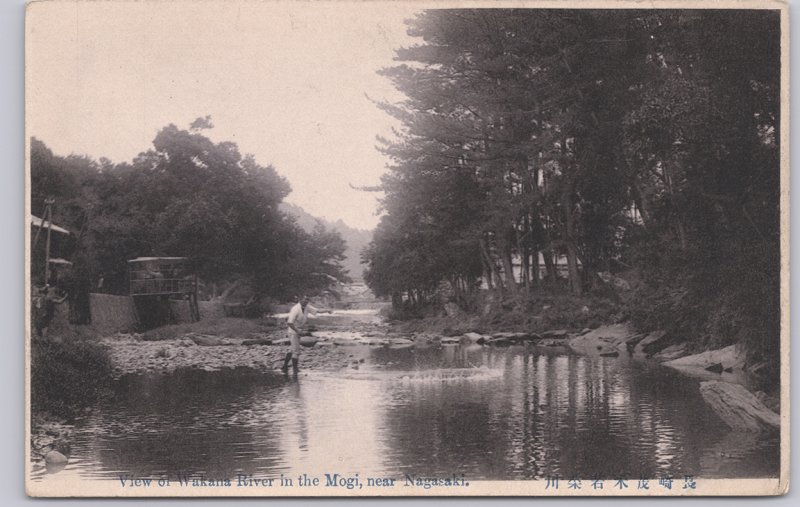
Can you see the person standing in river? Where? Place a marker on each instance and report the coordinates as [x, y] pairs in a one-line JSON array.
[[296, 322]]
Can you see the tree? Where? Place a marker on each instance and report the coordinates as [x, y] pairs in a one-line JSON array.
[[187, 196], [620, 139]]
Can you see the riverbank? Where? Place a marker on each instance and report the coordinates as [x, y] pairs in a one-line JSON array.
[[434, 390], [731, 386], [342, 342]]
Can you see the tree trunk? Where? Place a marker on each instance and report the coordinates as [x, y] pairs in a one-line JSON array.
[[550, 267], [508, 268], [493, 275], [572, 260], [572, 266]]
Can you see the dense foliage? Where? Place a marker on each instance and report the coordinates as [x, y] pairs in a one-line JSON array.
[[190, 197], [613, 140], [68, 376]]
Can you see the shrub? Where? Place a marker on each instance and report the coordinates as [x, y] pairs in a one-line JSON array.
[[68, 376]]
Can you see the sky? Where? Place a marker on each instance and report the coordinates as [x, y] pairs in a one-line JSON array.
[[293, 83]]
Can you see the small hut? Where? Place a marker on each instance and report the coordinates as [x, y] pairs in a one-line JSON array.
[[156, 280]]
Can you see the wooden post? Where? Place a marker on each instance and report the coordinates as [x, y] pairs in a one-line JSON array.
[[48, 217]]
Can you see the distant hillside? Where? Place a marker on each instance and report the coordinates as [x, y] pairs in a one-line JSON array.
[[356, 239]]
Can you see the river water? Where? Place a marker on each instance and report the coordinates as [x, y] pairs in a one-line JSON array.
[[513, 413]]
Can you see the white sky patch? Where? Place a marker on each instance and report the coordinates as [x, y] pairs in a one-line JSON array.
[[289, 82]]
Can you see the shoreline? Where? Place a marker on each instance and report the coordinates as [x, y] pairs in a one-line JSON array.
[[261, 345]]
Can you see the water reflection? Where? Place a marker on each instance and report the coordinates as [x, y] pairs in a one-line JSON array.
[[519, 413]]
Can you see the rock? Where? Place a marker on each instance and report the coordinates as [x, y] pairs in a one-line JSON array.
[[308, 341], [473, 337], [447, 340], [604, 339], [738, 408], [55, 458], [557, 333], [609, 354], [261, 341], [585, 310], [651, 343], [729, 369], [717, 360], [671, 352]]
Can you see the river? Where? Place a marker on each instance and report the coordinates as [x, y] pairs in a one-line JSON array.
[[486, 413]]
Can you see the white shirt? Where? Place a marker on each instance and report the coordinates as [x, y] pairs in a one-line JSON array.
[[298, 317]]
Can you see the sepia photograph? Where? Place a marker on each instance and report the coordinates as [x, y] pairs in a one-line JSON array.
[[406, 248]]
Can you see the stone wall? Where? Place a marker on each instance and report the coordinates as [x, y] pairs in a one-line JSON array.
[[111, 314], [115, 314]]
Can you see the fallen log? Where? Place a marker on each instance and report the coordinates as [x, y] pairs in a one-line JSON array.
[[738, 407]]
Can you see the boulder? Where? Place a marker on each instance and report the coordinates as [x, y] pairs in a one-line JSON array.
[[308, 341], [716, 361], [671, 352], [609, 354], [499, 342], [55, 458], [651, 343], [739, 408], [605, 339]]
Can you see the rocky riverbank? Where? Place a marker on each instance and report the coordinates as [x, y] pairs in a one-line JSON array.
[[725, 373]]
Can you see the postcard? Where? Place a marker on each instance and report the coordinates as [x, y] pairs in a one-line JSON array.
[[406, 248]]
